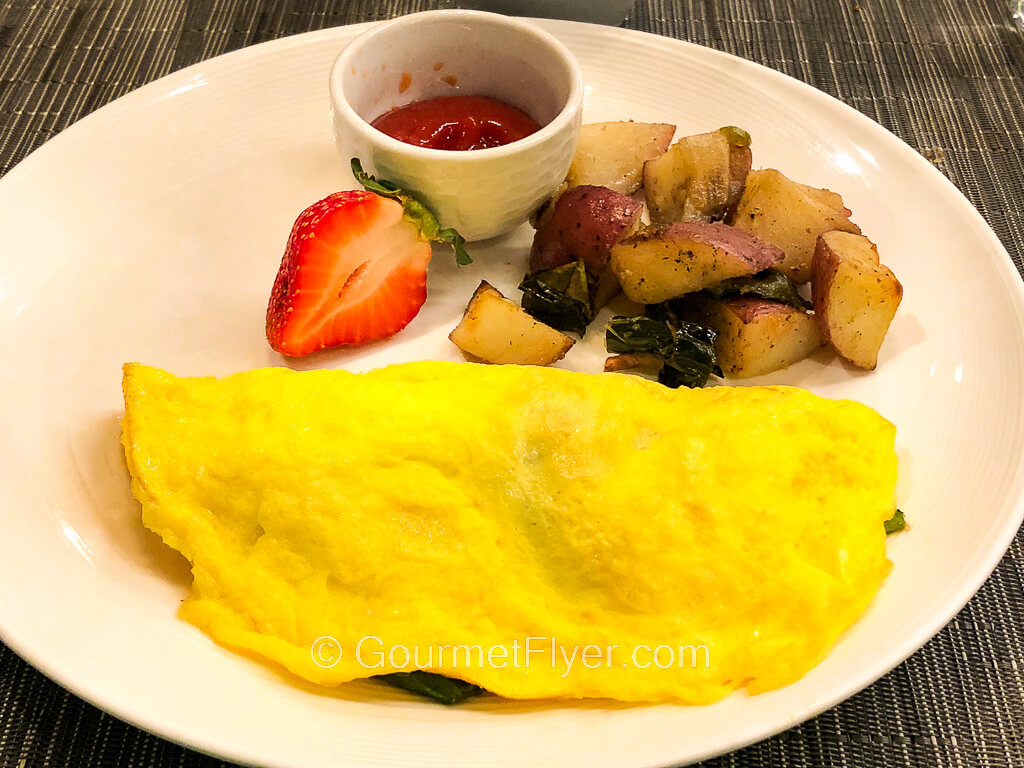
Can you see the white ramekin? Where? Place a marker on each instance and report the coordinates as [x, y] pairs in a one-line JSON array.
[[483, 192]]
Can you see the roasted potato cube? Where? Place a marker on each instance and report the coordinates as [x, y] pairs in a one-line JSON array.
[[607, 288], [496, 330], [699, 178], [855, 296], [758, 336], [740, 160], [583, 224], [790, 215], [613, 154], [665, 262]]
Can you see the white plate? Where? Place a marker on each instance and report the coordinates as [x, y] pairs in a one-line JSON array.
[[152, 231]]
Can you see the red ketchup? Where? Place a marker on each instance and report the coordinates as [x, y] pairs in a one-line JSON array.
[[457, 123]]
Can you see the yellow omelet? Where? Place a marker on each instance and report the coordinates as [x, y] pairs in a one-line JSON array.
[[539, 532]]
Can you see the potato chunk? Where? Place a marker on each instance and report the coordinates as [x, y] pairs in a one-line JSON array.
[[740, 160], [613, 154], [699, 178], [790, 215], [855, 296], [584, 223], [758, 336], [496, 330], [542, 215], [663, 263]]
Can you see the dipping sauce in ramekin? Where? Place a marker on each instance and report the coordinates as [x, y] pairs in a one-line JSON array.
[[457, 123]]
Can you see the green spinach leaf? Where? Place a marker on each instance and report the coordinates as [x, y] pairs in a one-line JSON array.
[[895, 523], [560, 297], [447, 690], [768, 284]]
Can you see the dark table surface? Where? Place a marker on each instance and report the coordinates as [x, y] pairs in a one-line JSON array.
[[946, 76]]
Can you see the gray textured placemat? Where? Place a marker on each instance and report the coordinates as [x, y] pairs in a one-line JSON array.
[[944, 75]]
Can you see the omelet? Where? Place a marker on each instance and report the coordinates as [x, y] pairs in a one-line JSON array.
[[538, 532]]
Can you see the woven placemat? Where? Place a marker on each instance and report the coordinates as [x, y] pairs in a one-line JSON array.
[[947, 76]]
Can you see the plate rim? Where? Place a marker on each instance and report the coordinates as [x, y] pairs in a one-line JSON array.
[[90, 690]]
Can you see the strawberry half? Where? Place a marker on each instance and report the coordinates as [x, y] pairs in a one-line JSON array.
[[354, 269]]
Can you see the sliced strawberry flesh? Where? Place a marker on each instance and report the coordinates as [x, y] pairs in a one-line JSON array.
[[354, 271]]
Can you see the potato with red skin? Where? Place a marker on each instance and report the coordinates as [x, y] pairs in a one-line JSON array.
[[584, 223], [855, 296], [664, 263], [757, 336], [542, 215]]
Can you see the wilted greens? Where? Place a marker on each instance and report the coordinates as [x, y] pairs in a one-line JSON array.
[[692, 359], [736, 136], [560, 297], [768, 284], [447, 690], [895, 523], [638, 334], [687, 350]]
